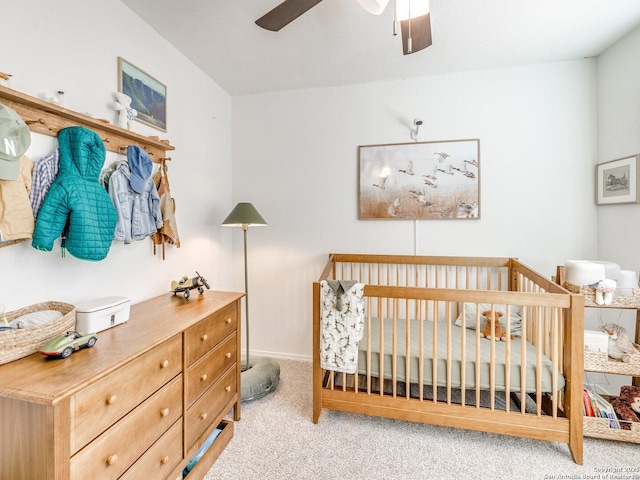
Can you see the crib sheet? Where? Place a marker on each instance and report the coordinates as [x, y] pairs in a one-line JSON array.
[[456, 357]]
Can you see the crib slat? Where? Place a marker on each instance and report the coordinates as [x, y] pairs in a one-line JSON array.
[[369, 309], [434, 363], [407, 354], [523, 362], [394, 350], [463, 356], [539, 360], [554, 363], [477, 383], [507, 361], [423, 308], [448, 315], [492, 359]]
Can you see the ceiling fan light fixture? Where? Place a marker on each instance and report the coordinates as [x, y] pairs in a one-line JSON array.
[[375, 7], [406, 9]]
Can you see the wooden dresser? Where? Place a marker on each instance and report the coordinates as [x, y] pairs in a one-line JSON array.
[[139, 404]]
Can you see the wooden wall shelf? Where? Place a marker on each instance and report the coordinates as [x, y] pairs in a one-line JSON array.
[[49, 118]]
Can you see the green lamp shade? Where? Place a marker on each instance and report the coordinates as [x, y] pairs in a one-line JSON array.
[[244, 214]]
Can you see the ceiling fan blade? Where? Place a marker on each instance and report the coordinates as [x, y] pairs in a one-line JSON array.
[[420, 33], [285, 13]]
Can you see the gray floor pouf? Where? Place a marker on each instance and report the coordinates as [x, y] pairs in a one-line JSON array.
[[261, 379]]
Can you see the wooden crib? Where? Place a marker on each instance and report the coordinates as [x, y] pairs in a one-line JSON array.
[[421, 356]]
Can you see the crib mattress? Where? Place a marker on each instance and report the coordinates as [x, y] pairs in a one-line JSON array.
[[515, 358]]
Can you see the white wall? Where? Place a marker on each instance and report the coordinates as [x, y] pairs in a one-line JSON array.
[[73, 45], [619, 136], [295, 158]]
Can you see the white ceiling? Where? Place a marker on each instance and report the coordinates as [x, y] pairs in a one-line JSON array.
[[339, 43]]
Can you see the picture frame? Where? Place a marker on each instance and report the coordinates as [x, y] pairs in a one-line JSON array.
[[148, 95], [437, 180], [617, 181]]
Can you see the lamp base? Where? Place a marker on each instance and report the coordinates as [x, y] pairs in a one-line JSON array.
[[260, 379]]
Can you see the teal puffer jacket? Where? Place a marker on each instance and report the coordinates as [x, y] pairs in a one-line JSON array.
[[77, 200]]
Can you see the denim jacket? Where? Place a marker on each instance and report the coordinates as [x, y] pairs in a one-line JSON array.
[[139, 214]]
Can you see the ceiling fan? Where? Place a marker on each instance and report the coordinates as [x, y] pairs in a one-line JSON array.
[[412, 15]]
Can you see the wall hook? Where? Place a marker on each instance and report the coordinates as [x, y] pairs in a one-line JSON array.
[[31, 122]]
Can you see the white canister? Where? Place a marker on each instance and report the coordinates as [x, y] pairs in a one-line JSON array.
[[628, 281], [583, 272]]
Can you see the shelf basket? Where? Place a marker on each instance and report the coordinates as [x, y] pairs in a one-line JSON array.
[[599, 428], [15, 344], [601, 362], [618, 301]]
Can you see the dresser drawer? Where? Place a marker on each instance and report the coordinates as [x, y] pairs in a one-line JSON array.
[[203, 336], [113, 452], [210, 406], [160, 459], [204, 373], [100, 405]]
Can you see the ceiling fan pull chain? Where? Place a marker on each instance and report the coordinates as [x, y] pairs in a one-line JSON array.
[[409, 40], [395, 17]]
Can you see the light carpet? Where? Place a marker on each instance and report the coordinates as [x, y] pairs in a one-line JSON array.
[[276, 439]]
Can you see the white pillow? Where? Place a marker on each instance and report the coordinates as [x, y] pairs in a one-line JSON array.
[[36, 318], [515, 318]]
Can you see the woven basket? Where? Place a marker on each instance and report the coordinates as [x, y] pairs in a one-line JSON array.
[[15, 344], [601, 362], [599, 428], [618, 301]]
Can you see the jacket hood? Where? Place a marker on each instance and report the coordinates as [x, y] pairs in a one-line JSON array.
[[82, 152], [140, 166]]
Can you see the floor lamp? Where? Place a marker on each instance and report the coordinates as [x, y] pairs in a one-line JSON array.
[[262, 377]]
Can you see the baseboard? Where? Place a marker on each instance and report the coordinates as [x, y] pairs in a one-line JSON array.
[[284, 356]]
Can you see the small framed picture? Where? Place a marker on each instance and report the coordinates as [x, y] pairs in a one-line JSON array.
[[617, 181], [148, 95]]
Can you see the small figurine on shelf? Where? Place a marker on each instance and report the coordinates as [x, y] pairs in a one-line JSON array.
[[126, 114], [604, 291]]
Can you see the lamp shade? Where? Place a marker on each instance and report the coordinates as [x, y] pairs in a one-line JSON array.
[[244, 214]]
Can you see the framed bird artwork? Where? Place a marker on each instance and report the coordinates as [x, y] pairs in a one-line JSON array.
[[420, 180]]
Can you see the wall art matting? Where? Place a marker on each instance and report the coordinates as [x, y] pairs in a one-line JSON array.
[[420, 181], [148, 95], [617, 181]]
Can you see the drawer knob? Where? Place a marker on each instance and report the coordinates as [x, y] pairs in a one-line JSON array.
[[112, 459], [228, 355], [164, 460], [204, 377], [227, 388], [164, 412], [203, 416], [112, 399], [204, 337], [228, 320], [164, 364]]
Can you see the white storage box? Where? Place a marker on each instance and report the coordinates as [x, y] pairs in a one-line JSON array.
[[102, 313], [596, 341]]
